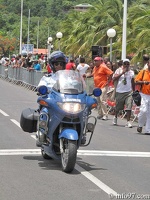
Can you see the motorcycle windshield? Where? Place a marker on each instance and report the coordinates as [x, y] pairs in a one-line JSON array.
[[68, 82]]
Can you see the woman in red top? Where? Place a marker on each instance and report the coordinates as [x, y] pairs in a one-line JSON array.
[[71, 65], [48, 68]]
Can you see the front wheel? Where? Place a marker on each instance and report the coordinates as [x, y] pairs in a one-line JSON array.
[[69, 154]]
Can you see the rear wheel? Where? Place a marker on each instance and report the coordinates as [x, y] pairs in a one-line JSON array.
[[69, 154]]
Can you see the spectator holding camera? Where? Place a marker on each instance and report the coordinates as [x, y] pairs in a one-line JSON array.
[[125, 86]]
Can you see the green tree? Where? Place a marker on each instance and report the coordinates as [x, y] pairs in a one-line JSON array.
[[139, 32], [90, 28], [82, 30]]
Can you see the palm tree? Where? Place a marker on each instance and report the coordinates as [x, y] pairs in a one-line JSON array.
[[82, 30], [138, 38], [90, 28]]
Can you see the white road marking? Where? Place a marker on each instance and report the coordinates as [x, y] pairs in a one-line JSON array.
[[33, 136], [80, 153], [13, 152], [113, 153], [3, 113], [15, 122], [86, 174], [96, 181]]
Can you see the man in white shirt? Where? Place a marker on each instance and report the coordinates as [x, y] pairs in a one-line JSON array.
[[82, 67], [125, 86]]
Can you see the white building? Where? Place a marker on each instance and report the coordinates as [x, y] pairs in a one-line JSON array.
[[82, 7]]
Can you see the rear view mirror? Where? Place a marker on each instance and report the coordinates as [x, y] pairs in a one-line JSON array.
[[42, 90], [97, 92]]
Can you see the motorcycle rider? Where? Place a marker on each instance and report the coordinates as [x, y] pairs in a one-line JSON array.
[[57, 62]]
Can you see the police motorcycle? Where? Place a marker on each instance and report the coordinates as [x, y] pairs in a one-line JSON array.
[[63, 122]]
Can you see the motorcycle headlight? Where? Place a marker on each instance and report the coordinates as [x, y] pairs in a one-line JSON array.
[[71, 107]]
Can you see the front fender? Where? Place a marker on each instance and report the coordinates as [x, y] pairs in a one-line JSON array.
[[68, 133]]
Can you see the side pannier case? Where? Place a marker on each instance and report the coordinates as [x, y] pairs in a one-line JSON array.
[[29, 119]]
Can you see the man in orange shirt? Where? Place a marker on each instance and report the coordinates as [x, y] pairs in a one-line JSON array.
[[143, 79], [102, 76]]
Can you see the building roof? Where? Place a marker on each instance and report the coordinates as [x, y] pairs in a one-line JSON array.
[[82, 7]]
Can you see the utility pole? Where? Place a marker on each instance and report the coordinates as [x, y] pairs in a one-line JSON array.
[[28, 39], [124, 31], [20, 50]]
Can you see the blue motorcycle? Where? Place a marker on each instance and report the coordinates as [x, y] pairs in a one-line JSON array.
[[64, 121]]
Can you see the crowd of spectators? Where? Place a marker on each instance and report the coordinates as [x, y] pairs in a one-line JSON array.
[[31, 62], [103, 73]]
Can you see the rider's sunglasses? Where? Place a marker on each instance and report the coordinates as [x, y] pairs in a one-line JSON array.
[[126, 63], [59, 63]]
